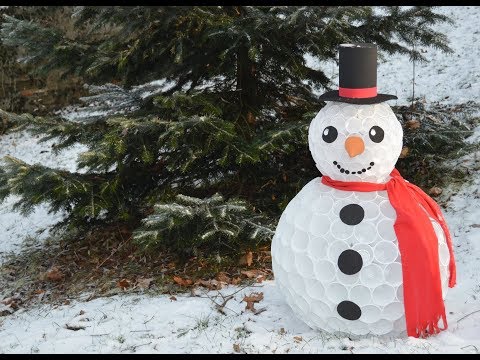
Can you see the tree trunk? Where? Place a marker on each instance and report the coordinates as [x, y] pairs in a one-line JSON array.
[[246, 83]]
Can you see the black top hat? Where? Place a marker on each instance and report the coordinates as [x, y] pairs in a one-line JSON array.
[[357, 76]]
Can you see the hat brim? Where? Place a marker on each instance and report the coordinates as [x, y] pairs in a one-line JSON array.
[[333, 96]]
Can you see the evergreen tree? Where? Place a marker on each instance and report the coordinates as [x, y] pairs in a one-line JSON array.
[[201, 139]]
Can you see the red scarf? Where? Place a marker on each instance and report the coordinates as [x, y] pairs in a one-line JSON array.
[[418, 245]]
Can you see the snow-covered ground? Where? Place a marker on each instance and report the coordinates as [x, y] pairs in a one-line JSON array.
[[142, 323], [447, 78]]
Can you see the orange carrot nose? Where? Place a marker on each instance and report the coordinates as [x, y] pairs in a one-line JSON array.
[[354, 145]]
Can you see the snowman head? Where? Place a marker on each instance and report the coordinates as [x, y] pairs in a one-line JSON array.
[[353, 142]]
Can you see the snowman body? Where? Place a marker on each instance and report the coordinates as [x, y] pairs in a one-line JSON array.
[[335, 254]]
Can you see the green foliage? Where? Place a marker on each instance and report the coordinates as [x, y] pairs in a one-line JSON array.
[[85, 197], [184, 43], [230, 117], [187, 224]]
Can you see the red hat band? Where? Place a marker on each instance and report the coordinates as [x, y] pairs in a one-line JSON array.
[[358, 93]]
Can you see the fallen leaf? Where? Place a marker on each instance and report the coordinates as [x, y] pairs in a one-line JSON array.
[[251, 299], [297, 339], [252, 273], [173, 298], [223, 277], [236, 280], [404, 152], [54, 274], [282, 331], [7, 301], [143, 283], [265, 256], [246, 259], [209, 284], [254, 297], [236, 348], [412, 124], [182, 282], [40, 294], [260, 278], [435, 191], [123, 284]]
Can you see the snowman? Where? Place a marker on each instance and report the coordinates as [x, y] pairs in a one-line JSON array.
[[360, 250]]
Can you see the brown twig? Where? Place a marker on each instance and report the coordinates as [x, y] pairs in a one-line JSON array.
[[476, 311], [113, 252]]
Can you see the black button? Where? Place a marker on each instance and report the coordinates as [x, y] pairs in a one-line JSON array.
[[349, 310], [352, 214], [350, 262]]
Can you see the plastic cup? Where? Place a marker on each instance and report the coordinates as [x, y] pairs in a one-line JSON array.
[[386, 252]]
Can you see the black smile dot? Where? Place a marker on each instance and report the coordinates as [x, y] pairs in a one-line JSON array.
[[372, 163], [350, 262], [342, 170], [338, 166], [334, 163], [347, 172], [363, 170], [349, 310], [369, 168], [352, 214]]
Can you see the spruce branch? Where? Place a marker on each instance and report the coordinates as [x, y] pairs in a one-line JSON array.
[[188, 224]]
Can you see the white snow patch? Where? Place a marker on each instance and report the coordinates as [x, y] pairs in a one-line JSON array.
[[447, 78], [110, 99]]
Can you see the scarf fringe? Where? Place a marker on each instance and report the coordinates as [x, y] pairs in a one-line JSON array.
[[453, 273], [428, 328]]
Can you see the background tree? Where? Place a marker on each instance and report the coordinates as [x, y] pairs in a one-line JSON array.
[[199, 138]]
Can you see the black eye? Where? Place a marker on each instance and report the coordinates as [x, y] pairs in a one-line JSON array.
[[329, 134], [376, 134]]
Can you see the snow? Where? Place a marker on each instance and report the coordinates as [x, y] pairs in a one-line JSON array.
[[15, 227], [144, 323], [447, 78]]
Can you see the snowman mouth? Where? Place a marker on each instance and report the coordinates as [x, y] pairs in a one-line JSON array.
[[346, 171]]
